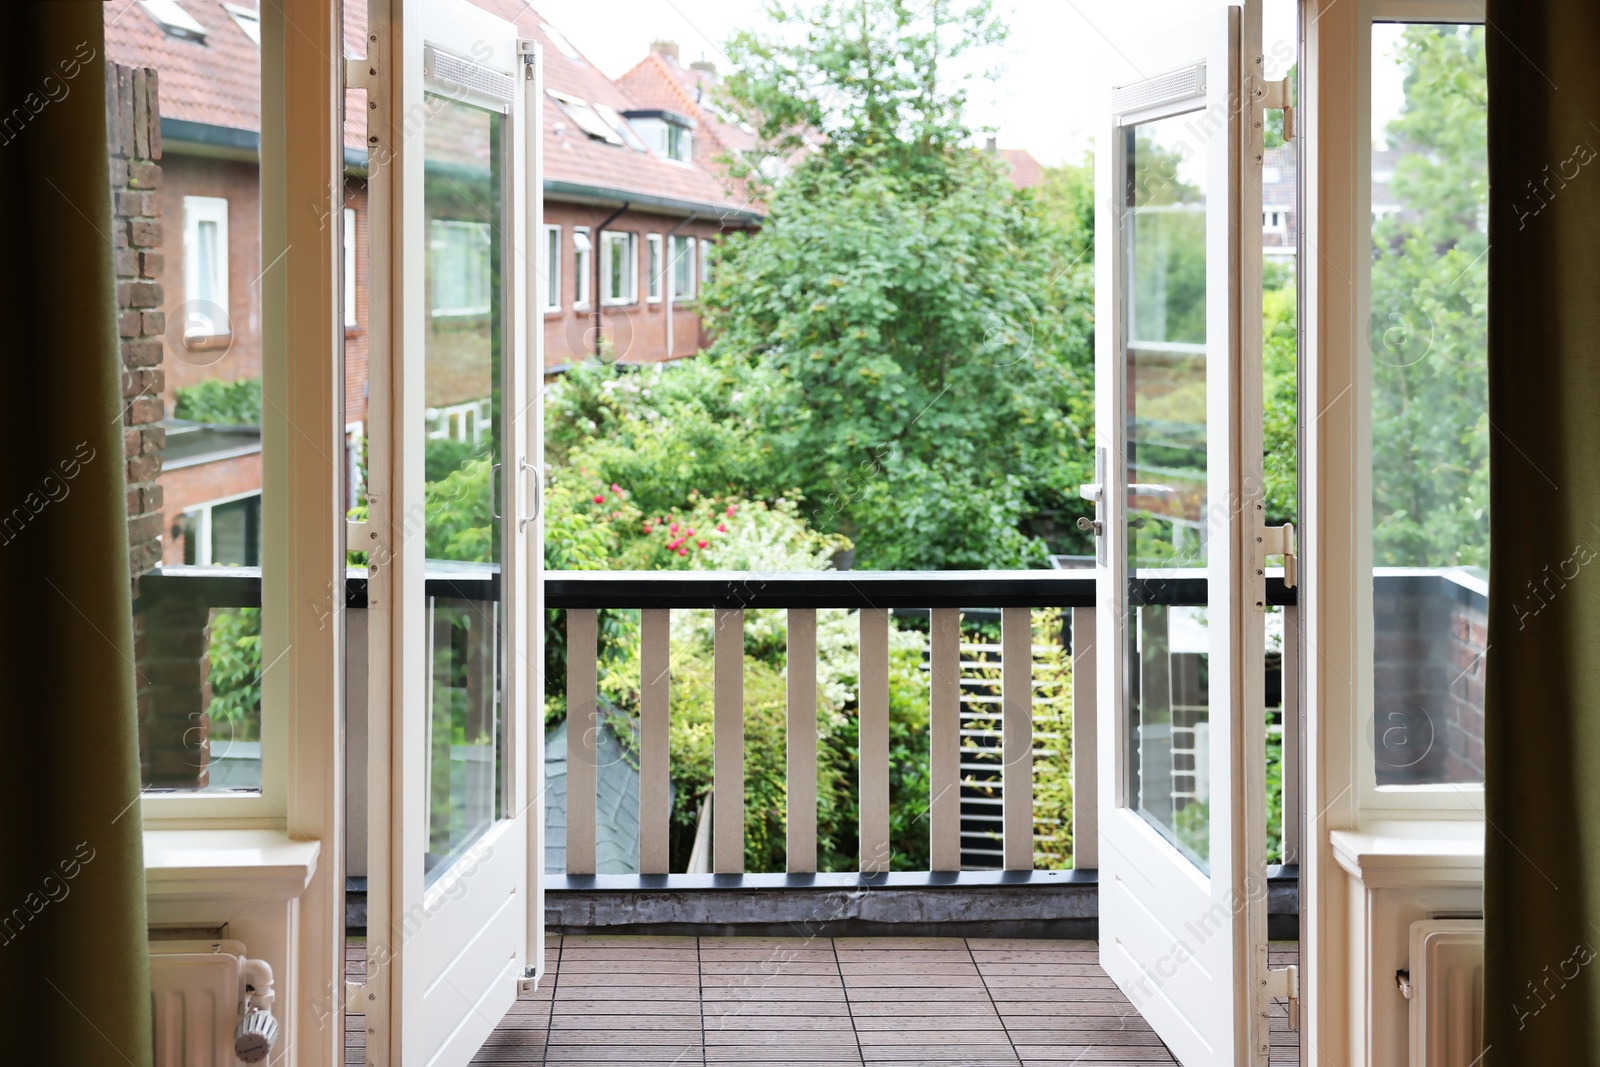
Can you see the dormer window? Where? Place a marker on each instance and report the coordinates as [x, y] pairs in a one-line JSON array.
[[249, 21], [669, 134], [172, 18], [585, 117]]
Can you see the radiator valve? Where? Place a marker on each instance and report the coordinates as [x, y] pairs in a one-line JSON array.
[[257, 1031]]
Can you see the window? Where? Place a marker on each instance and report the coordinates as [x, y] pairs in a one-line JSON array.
[[653, 268], [552, 268], [171, 17], [705, 261], [1428, 392], [349, 268], [679, 142], [682, 268], [1274, 221], [581, 247], [460, 267], [205, 267], [249, 21], [561, 43], [620, 124], [224, 533], [587, 120], [619, 268]]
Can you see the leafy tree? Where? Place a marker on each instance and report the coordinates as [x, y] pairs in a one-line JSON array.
[[922, 343], [1429, 341]]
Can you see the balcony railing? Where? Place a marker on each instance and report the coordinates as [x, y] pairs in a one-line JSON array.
[[981, 784]]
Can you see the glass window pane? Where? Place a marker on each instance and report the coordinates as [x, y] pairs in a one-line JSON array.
[[463, 350], [1430, 430], [1164, 219]]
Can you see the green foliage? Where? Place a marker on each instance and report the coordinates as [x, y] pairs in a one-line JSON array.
[[1280, 388], [235, 654], [216, 401], [1429, 313], [1052, 742]]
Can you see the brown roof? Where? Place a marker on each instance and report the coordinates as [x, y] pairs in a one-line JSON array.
[[216, 83], [1026, 173]]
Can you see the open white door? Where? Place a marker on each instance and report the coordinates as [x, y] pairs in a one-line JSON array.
[[454, 911], [1181, 591]]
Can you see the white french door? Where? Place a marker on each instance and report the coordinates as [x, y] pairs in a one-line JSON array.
[[455, 913], [1179, 557]]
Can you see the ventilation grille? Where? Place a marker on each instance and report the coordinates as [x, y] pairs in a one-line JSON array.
[[1184, 84], [466, 75]]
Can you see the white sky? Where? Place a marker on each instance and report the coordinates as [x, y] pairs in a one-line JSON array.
[[1061, 58]]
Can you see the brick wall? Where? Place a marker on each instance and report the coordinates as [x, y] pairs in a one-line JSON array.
[[171, 642], [1428, 657]]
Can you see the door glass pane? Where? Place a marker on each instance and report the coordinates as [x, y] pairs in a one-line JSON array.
[[1164, 220], [1430, 399], [463, 200]]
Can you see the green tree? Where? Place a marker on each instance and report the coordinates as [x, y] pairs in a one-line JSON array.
[[923, 347], [1429, 341]]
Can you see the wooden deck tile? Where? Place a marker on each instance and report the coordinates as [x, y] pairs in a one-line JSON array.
[[819, 1002]]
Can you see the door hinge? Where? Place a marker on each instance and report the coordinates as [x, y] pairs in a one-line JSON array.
[[1285, 982], [1277, 96], [359, 536], [1279, 541], [528, 49], [528, 982]]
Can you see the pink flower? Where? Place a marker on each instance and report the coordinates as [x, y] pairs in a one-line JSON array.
[[599, 498], [615, 488], [722, 527], [672, 545], [673, 527], [683, 551], [702, 544], [732, 508], [689, 532], [647, 528]]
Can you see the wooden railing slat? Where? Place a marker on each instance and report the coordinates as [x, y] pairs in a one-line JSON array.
[[655, 788], [800, 844], [1016, 727], [873, 741], [1085, 754], [727, 773], [582, 731], [944, 712]]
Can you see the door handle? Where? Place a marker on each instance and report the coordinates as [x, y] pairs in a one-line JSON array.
[[523, 466], [494, 491]]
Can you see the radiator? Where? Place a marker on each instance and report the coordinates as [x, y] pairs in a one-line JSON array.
[[1445, 986], [210, 1004]]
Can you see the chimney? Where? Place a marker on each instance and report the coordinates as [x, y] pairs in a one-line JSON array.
[[706, 67], [993, 145], [667, 50]]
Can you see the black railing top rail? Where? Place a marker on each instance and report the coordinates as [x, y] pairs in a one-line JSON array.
[[240, 587]]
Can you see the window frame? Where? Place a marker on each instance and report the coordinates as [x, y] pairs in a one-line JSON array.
[[582, 276], [551, 257], [198, 210], [688, 244], [655, 273], [704, 266], [629, 241], [467, 310]]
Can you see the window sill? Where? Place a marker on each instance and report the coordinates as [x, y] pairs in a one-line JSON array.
[[1412, 853], [207, 342], [227, 864]]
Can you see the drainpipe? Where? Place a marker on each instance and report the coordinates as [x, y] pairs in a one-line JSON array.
[[599, 237], [666, 264]]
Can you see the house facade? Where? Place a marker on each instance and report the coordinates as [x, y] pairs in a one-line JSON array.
[[634, 201]]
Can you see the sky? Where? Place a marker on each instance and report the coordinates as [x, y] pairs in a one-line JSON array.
[[1057, 67]]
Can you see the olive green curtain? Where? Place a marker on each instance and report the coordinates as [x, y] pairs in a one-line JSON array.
[[1542, 839], [74, 977]]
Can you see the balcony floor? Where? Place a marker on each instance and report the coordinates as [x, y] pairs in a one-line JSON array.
[[967, 1002]]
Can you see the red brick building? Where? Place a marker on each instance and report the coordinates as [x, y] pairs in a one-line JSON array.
[[634, 198]]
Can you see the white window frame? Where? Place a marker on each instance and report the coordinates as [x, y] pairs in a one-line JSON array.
[[348, 267], [202, 526], [687, 136], [655, 274], [249, 21], [197, 210], [628, 242], [582, 276], [688, 246], [551, 257]]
